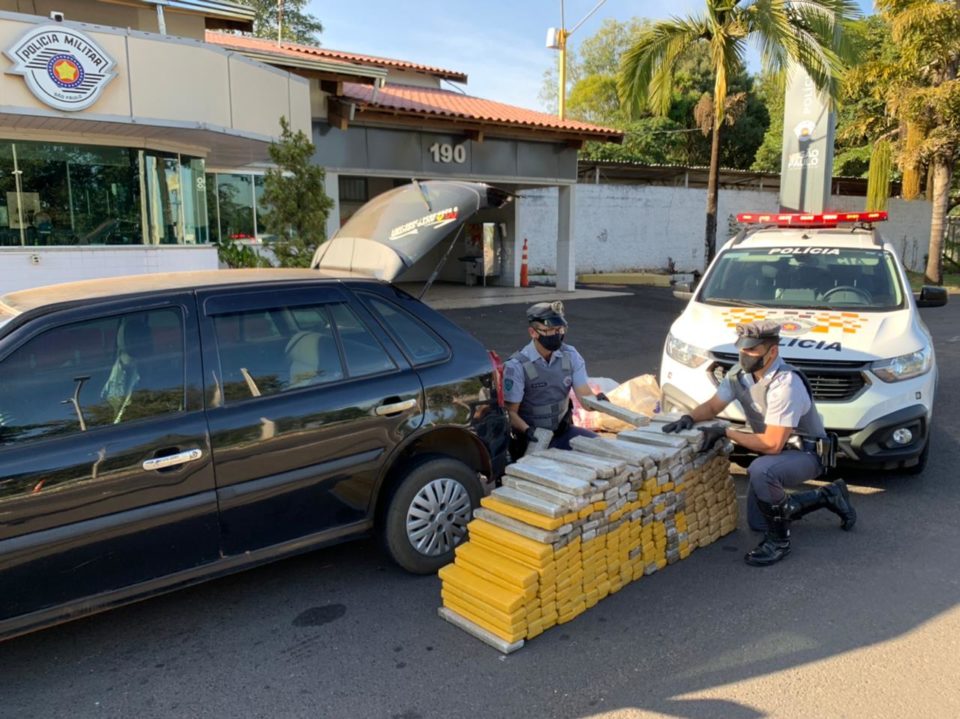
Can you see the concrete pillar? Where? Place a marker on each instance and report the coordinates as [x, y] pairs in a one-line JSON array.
[[331, 186], [512, 247], [566, 257]]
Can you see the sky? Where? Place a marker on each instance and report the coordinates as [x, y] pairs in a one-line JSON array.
[[499, 44]]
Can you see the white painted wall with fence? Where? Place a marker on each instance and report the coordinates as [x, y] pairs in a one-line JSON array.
[[623, 228]]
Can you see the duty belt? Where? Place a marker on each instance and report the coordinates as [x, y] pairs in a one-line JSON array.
[[804, 444], [824, 447]]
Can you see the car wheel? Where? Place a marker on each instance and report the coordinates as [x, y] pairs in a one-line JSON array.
[[921, 461], [427, 515]]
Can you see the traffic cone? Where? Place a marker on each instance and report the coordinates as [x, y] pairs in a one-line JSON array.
[[524, 278]]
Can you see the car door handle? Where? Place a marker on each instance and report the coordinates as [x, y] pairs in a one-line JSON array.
[[190, 455], [395, 407]]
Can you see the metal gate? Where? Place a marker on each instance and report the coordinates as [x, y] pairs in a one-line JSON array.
[[951, 243]]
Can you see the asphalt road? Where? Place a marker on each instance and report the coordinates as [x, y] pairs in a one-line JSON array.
[[860, 624]]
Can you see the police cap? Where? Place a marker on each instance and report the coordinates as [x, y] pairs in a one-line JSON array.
[[751, 334], [547, 313]]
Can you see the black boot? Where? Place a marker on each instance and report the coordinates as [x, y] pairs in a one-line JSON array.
[[802, 503], [776, 542], [837, 500], [834, 497]]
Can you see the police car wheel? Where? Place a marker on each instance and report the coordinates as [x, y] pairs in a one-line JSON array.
[[427, 515]]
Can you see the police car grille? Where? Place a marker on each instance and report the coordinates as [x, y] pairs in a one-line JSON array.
[[831, 382]]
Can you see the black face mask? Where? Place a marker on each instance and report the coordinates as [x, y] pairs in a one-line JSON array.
[[551, 343], [752, 363]]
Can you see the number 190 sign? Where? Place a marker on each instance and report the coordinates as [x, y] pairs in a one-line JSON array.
[[446, 153]]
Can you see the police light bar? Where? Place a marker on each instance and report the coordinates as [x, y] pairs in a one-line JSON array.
[[823, 219]]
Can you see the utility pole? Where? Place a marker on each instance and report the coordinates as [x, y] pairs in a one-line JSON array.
[[557, 40]]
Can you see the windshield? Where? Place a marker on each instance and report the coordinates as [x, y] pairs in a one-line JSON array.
[[805, 278]]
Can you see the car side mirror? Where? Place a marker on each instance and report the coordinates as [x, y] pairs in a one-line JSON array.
[[683, 294], [932, 296]]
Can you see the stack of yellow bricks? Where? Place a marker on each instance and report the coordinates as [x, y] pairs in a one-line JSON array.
[[568, 528]]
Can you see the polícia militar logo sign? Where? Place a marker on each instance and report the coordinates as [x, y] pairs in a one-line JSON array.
[[63, 68]]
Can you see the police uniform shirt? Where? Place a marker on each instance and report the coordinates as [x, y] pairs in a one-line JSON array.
[[513, 376], [787, 398]]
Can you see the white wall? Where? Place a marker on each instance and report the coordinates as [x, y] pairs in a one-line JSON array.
[[908, 228], [37, 266], [621, 228]]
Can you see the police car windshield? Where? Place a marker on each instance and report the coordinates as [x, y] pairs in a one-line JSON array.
[[805, 277]]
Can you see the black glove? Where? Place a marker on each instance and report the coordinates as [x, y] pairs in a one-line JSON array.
[[685, 422], [711, 435], [601, 396], [530, 433]]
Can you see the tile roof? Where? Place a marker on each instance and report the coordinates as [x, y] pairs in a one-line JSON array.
[[416, 100], [246, 42], [446, 103]]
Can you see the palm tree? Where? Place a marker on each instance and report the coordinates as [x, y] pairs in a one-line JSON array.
[[801, 31], [925, 95]]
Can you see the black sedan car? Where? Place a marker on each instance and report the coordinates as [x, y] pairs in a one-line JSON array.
[[159, 430]]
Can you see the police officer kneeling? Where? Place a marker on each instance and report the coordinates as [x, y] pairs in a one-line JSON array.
[[538, 378], [787, 433]]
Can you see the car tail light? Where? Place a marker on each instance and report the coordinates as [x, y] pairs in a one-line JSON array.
[[823, 219], [497, 374]]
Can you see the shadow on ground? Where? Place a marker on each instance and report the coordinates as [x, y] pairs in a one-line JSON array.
[[342, 633]]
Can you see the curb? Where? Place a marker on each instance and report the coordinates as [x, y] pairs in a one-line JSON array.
[[651, 279]]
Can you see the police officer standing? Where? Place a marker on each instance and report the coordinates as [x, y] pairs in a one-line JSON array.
[[538, 378], [787, 431]]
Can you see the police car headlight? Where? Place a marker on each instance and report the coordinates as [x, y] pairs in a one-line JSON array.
[[904, 367], [684, 353]]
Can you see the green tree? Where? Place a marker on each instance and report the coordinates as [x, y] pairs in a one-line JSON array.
[[297, 204], [771, 92], [650, 140], [234, 254], [594, 97], [806, 33], [296, 24], [878, 182], [862, 118], [925, 95]]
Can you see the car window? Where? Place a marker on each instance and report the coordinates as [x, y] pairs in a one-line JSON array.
[[93, 374], [258, 359], [421, 344], [363, 353], [264, 352], [806, 278]]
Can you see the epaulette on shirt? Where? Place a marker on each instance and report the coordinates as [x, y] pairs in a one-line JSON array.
[[782, 377]]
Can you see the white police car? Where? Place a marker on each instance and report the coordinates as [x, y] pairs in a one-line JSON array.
[[849, 322]]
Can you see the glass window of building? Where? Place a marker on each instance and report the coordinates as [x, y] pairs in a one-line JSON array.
[[61, 194], [196, 227], [236, 207], [261, 209]]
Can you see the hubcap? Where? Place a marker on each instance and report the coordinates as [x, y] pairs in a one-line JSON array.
[[438, 516]]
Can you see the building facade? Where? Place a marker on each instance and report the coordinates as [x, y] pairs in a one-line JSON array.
[[392, 121], [134, 137], [110, 116]]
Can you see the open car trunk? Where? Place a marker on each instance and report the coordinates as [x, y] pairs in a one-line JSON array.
[[391, 232]]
